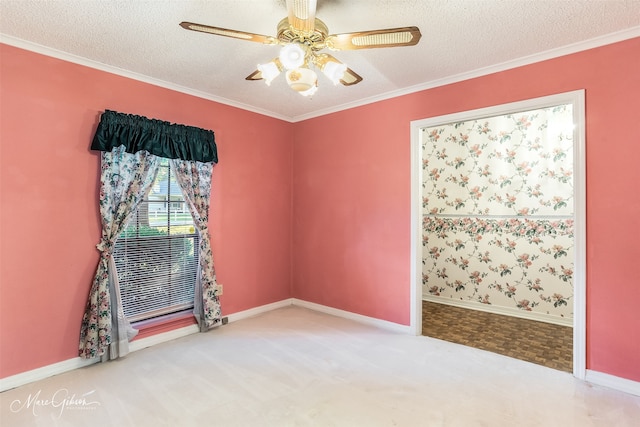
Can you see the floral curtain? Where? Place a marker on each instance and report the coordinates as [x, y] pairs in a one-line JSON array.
[[131, 147], [125, 179], [195, 181]]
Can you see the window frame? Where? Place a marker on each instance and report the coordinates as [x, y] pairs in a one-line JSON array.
[[134, 248]]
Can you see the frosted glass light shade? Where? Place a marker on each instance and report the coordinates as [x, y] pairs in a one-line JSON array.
[[301, 79], [334, 71], [292, 56], [309, 92], [269, 72]]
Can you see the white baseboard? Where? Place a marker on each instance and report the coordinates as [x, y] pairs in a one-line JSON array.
[[37, 374], [7, 383], [611, 381], [194, 329], [259, 310], [383, 324], [162, 337], [27, 377], [507, 311]]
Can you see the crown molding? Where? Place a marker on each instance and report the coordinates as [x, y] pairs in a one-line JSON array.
[[58, 54], [526, 60], [611, 38]]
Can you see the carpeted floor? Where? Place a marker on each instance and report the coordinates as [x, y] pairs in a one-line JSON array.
[[297, 367], [537, 342]]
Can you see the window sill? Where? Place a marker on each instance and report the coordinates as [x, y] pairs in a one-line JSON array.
[[158, 325]]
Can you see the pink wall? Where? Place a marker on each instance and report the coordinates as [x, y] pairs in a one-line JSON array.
[[351, 186], [343, 243], [49, 223]]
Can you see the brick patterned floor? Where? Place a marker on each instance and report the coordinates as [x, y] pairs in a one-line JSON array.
[[537, 342]]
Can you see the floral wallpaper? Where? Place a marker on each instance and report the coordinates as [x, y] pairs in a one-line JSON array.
[[498, 211]]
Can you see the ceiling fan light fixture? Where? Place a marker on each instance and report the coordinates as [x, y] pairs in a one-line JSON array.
[[302, 15], [269, 71], [311, 91], [334, 71], [292, 56], [302, 37], [302, 80]]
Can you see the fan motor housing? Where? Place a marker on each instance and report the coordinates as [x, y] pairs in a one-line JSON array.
[[315, 40]]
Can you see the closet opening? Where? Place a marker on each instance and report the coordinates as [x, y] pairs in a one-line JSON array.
[[498, 229]]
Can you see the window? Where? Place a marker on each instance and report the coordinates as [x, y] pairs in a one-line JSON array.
[[156, 255]]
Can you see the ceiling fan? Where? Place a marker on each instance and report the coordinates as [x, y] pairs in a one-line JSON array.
[[303, 37]]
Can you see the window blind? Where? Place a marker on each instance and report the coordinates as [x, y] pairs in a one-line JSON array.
[[156, 255]]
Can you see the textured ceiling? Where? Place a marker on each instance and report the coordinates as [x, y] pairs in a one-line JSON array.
[[142, 39]]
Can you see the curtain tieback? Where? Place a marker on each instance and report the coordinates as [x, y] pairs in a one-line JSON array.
[[105, 247]]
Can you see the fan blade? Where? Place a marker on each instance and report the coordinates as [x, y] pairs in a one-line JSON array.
[[302, 15], [350, 78], [392, 37], [258, 38], [256, 75]]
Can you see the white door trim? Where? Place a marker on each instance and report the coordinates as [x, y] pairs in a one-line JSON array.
[[579, 176]]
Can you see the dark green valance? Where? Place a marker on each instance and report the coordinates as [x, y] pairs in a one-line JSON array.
[[160, 138]]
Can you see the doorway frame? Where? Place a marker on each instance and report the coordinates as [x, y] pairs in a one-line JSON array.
[[577, 99]]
